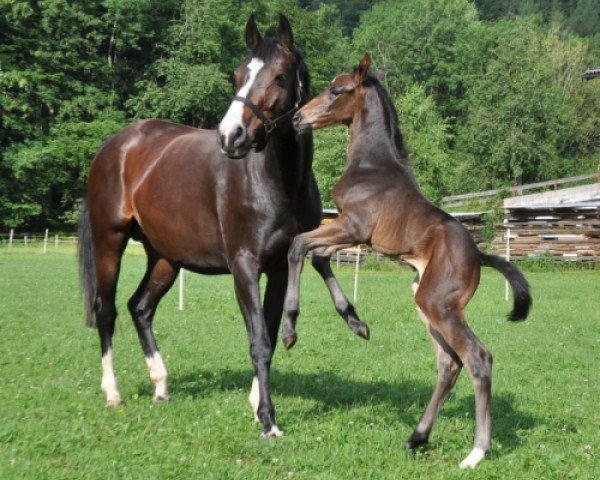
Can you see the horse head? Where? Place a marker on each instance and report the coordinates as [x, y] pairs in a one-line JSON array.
[[338, 103], [270, 85]]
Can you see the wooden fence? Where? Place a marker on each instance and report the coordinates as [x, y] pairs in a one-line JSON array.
[[453, 201]]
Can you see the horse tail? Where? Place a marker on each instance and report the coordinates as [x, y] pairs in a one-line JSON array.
[[87, 264], [518, 283]]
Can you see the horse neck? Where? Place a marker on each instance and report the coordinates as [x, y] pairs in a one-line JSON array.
[[375, 139], [291, 155]]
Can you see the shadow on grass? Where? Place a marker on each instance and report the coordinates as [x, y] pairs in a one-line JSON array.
[[333, 392]]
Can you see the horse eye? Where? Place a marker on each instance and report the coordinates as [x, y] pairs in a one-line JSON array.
[[280, 79], [335, 91]]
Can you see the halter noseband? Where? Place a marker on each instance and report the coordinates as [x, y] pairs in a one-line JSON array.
[[272, 124]]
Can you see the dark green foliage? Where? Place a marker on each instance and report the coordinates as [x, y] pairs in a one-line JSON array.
[[489, 92]]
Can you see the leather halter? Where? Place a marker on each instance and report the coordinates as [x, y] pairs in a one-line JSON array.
[[272, 124]]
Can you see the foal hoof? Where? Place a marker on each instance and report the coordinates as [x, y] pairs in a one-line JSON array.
[[289, 341], [415, 441], [362, 330]]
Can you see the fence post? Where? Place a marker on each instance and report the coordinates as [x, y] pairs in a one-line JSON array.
[[181, 285], [10, 237], [506, 285], [55, 241], [25, 241], [46, 241], [356, 273]]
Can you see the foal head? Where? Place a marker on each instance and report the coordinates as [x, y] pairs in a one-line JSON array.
[[271, 84], [349, 96], [339, 102]]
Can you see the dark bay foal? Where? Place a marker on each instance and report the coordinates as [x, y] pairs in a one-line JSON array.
[[380, 205]]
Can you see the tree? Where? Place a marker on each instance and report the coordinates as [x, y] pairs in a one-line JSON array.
[[64, 64], [519, 122], [426, 134], [434, 43]]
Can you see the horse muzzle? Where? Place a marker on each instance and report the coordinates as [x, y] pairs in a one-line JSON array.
[[301, 125]]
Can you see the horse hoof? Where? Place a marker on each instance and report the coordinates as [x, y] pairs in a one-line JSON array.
[[290, 341], [273, 433], [161, 399], [113, 402]]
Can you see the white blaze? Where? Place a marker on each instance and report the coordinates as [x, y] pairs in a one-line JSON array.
[[233, 118]]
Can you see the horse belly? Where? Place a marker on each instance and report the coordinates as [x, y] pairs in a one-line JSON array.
[[175, 207]]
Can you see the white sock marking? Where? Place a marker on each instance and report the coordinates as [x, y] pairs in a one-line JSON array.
[[109, 382], [158, 375], [254, 398], [476, 455]]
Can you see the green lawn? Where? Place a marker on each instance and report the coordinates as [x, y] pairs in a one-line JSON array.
[[346, 405]]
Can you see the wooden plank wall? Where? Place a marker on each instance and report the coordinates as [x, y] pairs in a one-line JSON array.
[[568, 233]]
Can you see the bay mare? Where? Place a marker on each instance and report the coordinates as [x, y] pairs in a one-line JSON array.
[[380, 205], [212, 202]]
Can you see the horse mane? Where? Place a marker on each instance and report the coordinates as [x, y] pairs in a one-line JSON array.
[[392, 123]]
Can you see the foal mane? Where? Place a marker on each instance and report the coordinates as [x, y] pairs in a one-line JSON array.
[[392, 124]]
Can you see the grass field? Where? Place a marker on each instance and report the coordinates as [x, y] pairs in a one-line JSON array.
[[346, 405]]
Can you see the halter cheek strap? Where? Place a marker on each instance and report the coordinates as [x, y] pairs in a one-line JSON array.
[[271, 124]]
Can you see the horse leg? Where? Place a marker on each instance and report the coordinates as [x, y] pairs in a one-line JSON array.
[[449, 367], [342, 304], [245, 274], [449, 328], [328, 239], [158, 279], [272, 306], [108, 254]]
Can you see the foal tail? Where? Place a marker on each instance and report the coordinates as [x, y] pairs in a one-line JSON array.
[[520, 287], [87, 264]]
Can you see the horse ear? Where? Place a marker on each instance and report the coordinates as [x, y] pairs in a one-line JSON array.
[[363, 67], [284, 34], [252, 34]]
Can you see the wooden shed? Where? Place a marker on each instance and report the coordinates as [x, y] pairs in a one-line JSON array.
[[563, 223]]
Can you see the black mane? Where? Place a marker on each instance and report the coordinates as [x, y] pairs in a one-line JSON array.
[[392, 123]]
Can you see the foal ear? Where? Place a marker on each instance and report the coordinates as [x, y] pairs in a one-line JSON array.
[[252, 34], [363, 68], [284, 34]]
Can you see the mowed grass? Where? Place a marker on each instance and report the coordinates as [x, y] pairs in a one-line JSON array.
[[346, 405]]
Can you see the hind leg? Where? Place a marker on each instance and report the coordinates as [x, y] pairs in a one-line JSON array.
[[449, 329], [159, 278], [449, 367], [108, 254]]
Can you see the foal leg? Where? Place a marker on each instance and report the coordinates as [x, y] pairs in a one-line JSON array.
[[449, 367], [450, 324], [341, 302], [245, 274], [159, 277], [328, 239]]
